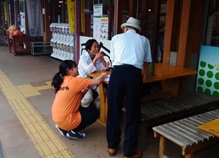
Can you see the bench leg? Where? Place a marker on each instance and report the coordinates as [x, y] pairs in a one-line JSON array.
[[188, 155], [162, 146]]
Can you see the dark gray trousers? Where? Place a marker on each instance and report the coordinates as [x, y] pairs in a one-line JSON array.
[[125, 85]]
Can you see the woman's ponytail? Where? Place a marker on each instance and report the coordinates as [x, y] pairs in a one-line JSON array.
[[59, 76], [57, 81]]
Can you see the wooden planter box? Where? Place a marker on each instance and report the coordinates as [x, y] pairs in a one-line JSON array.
[[19, 44]]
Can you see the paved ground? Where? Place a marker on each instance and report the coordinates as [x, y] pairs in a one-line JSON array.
[[25, 116]]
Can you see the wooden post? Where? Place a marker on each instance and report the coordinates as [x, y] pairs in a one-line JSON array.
[[78, 29], [46, 21], [168, 31], [184, 34], [116, 12], [132, 8]]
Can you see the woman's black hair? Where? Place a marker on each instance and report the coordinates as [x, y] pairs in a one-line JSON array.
[[89, 44], [58, 77]]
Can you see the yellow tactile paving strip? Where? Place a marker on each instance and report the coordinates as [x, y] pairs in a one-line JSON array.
[[28, 90], [40, 88], [44, 139]]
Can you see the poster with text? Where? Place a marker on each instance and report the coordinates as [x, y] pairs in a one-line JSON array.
[[100, 27]]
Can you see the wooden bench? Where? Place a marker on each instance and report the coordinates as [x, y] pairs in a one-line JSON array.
[[165, 110], [184, 133]]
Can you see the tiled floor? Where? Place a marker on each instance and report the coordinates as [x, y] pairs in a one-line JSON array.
[[27, 129]]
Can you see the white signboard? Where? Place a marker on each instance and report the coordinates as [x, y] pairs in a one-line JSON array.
[[98, 9]]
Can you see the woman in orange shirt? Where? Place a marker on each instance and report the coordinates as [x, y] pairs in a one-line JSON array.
[[69, 116]]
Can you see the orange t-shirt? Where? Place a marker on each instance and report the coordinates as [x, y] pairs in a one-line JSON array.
[[65, 108]]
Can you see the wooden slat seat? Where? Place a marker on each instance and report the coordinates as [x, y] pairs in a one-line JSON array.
[[177, 107], [165, 110], [184, 133]]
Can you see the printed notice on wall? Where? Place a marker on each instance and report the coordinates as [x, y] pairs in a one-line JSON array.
[[100, 27]]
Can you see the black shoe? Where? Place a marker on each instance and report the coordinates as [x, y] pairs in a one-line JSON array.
[[61, 131], [75, 135]]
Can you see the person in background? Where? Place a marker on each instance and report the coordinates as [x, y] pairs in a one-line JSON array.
[[70, 118], [130, 54], [160, 37], [92, 60]]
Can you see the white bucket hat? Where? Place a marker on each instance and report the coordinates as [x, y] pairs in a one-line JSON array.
[[132, 22]]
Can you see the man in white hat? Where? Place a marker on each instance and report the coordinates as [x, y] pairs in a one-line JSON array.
[[129, 53]]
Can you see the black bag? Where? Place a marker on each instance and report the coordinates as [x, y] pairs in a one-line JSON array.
[[95, 94]]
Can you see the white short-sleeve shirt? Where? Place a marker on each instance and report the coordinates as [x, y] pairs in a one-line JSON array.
[[130, 48]]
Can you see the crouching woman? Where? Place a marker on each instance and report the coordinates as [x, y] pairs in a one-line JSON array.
[[70, 118]]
